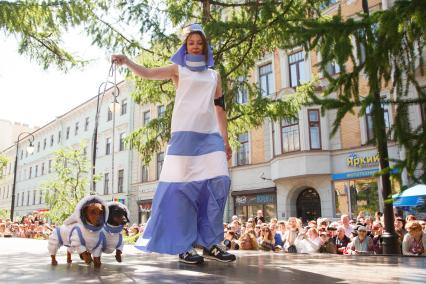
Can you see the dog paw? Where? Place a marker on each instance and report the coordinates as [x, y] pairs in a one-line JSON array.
[[118, 258], [54, 262]]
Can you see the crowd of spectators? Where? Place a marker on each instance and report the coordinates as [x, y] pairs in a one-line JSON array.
[[359, 236], [33, 226]]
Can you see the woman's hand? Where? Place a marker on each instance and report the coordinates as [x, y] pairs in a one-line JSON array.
[[228, 151], [119, 59]]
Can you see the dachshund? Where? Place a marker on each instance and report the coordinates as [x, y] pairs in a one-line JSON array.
[[81, 232], [117, 218]]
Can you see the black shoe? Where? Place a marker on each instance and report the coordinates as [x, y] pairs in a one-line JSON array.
[[218, 254], [191, 257]]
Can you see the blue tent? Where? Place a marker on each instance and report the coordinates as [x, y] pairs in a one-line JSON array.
[[413, 196]]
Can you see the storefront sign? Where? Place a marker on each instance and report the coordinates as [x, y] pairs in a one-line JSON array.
[[356, 161], [255, 199], [354, 175]]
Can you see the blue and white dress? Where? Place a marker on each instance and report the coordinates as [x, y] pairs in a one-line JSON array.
[[189, 202]]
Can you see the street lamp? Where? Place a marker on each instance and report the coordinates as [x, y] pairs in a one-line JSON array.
[[30, 150], [116, 90]]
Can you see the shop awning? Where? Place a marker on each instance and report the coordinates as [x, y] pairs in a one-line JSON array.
[[413, 196]]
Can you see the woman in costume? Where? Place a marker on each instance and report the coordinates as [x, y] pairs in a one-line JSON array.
[[194, 183]]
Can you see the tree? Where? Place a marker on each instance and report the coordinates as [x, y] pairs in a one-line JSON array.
[[3, 162], [40, 35], [384, 50], [70, 184], [4, 213]]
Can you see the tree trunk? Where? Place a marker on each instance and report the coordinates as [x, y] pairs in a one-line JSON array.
[[206, 11], [390, 240]]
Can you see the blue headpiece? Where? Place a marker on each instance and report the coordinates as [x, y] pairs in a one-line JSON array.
[[193, 62]]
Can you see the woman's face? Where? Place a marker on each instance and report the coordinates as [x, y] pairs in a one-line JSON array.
[[415, 233], [194, 44]]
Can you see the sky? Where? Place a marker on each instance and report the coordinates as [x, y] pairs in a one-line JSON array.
[[31, 95]]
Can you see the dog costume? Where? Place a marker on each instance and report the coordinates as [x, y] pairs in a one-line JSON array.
[[76, 234], [113, 234]]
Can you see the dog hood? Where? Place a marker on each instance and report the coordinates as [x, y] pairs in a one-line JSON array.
[[77, 216], [115, 229]]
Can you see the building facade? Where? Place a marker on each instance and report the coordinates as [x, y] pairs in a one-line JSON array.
[[72, 129]]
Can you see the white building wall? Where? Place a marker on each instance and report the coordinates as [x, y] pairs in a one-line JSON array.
[[25, 186]]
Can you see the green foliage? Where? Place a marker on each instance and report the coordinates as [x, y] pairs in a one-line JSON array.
[[131, 240], [240, 34], [385, 49], [3, 162], [4, 214], [70, 184], [39, 26]]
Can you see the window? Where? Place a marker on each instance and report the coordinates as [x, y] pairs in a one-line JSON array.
[[160, 111], [28, 198], [124, 107], [34, 196], [109, 115], [38, 146], [242, 93], [333, 68], [369, 122], [290, 138], [50, 166], [40, 196], [298, 74], [243, 152], [68, 133], [122, 136], [106, 183], [144, 175], [59, 137], [108, 146], [30, 173], [44, 143], [120, 180], [314, 129], [52, 140], [42, 168], [76, 129], [86, 124], [160, 160], [22, 198], [266, 80], [146, 117], [36, 171], [17, 200]]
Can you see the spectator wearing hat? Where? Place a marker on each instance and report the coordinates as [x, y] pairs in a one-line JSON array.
[[414, 242], [361, 244]]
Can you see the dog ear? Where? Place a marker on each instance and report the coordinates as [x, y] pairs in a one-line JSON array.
[[127, 217], [83, 214]]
